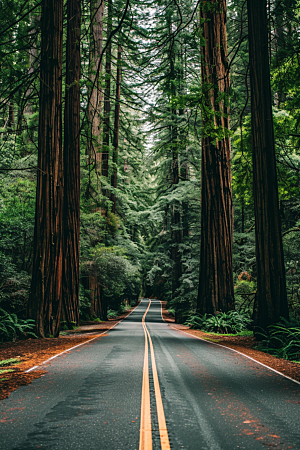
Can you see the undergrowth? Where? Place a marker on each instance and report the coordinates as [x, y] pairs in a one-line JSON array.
[[12, 327], [9, 362], [281, 340], [112, 314], [232, 322]]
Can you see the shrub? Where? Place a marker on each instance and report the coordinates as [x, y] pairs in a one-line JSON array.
[[244, 291], [11, 327], [118, 276], [230, 322], [281, 340], [111, 314]]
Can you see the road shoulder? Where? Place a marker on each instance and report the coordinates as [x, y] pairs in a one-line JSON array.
[[34, 352], [240, 344]]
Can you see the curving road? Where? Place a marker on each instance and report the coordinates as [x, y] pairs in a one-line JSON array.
[[147, 386]]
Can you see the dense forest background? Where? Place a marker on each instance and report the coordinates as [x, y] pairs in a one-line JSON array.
[[143, 123]]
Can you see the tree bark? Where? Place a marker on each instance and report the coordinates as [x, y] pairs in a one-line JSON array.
[[184, 152], [95, 94], [33, 62], [71, 210], [176, 231], [98, 305], [11, 115], [271, 280], [46, 286], [175, 145], [94, 147], [114, 177], [216, 278], [107, 107]]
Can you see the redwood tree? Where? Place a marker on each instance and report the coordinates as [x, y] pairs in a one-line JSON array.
[[71, 208], [95, 95], [90, 281], [107, 107], [271, 297], [46, 287], [114, 177], [216, 279]]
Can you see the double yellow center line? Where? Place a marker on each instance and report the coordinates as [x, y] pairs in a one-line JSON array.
[[146, 428]]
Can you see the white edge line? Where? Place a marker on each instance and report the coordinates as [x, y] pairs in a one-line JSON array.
[[232, 349], [79, 345]]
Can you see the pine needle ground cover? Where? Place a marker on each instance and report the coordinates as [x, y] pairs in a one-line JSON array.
[[19, 356]]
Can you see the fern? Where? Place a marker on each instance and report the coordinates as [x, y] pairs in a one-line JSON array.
[[11, 327], [281, 340], [230, 322], [10, 362]]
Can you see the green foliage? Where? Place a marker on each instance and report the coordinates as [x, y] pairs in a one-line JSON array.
[[244, 293], [10, 362], [6, 371], [171, 312], [115, 272], [118, 276], [112, 314], [231, 322], [282, 340], [11, 327], [291, 243], [16, 237], [84, 303]]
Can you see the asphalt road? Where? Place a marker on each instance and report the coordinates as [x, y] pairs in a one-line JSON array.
[[146, 386]]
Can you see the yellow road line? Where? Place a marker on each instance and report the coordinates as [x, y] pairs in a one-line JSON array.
[[145, 427], [146, 431], [163, 432]]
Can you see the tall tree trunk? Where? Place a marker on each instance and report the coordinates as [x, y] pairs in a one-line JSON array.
[[185, 205], [271, 281], [95, 95], [71, 224], [11, 116], [114, 177], [175, 207], [94, 148], [46, 286], [33, 62], [184, 159], [175, 216], [106, 120], [176, 229], [216, 279]]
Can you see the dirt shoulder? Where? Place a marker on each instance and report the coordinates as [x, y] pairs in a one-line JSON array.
[[33, 352], [242, 344]]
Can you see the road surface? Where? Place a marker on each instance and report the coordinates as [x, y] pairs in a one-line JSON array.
[[146, 386]]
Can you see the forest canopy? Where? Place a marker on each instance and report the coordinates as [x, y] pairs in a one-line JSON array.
[[149, 149]]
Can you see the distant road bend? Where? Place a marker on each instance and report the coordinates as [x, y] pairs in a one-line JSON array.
[[145, 386]]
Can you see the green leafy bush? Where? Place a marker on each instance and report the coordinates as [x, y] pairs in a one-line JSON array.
[[117, 275], [230, 322], [11, 327], [111, 314], [244, 293], [282, 340]]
